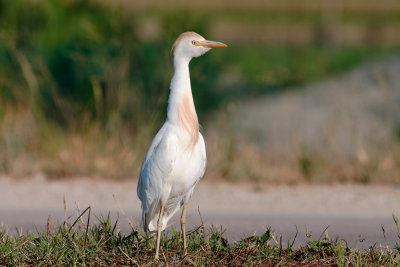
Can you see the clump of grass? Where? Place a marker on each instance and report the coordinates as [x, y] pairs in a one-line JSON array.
[[103, 245]]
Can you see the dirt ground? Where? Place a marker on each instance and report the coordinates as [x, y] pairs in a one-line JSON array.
[[356, 213]]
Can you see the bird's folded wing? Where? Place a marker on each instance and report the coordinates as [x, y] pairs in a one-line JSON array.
[[155, 171]]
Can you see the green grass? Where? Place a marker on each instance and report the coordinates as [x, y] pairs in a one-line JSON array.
[[102, 245]]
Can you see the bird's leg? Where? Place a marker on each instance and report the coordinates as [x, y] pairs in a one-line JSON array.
[[159, 227], [183, 222]]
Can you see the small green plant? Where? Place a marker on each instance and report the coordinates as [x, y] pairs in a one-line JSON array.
[[308, 233], [396, 221]]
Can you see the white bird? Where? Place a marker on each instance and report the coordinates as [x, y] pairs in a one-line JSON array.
[[176, 158]]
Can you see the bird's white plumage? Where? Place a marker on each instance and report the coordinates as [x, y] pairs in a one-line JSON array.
[[176, 158], [169, 174]]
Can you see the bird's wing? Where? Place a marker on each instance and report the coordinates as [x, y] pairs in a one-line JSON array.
[[204, 156], [156, 168]]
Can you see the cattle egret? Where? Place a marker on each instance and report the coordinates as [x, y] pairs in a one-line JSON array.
[[176, 158]]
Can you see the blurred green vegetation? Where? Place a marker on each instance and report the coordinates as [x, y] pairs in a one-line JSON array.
[[268, 69], [83, 68], [79, 63], [313, 17]]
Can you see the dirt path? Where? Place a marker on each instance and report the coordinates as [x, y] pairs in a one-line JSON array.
[[353, 212]]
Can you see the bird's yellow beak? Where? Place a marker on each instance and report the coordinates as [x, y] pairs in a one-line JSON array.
[[210, 44]]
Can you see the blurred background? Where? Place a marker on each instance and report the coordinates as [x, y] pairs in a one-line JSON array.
[[307, 91]]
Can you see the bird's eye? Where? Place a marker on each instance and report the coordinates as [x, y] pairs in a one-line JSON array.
[[194, 42]]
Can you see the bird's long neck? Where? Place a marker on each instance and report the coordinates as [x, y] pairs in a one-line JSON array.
[[181, 110]]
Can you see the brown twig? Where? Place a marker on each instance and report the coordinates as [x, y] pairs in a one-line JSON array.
[[326, 228], [87, 227], [65, 213], [48, 226], [77, 219], [79, 212], [126, 255], [295, 236]]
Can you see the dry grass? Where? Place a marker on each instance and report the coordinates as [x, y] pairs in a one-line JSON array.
[[28, 149], [340, 130], [30, 146], [236, 158]]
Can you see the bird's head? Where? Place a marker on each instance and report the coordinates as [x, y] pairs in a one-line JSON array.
[[190, 45]]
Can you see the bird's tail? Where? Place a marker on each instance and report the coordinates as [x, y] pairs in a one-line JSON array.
[[150, 220]]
